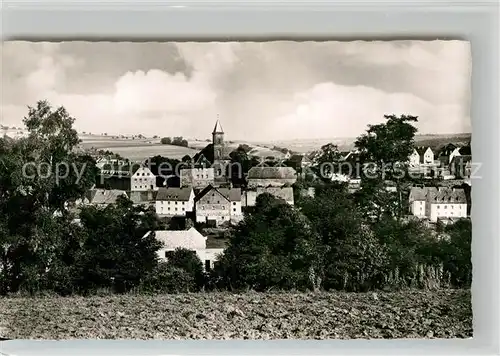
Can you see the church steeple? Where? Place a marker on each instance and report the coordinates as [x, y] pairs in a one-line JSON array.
[[218, 128]]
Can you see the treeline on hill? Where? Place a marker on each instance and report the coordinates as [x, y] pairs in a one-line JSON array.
[[176, 141], [334, 240]]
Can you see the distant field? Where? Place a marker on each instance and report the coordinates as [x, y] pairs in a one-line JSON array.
[[336, 315], [347, 144], [141, 152]]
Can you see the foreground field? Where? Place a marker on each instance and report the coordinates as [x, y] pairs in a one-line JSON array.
[[439, 314]]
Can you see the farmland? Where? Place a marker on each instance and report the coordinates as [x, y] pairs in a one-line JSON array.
[[408, 314]]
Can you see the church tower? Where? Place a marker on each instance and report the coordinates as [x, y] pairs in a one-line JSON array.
[[218, 142]]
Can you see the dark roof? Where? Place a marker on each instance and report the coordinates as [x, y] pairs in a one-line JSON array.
[[421, 149], [231, 194], [174, 194], [218, 128], [272, 173], [438, 194], [465, 151]]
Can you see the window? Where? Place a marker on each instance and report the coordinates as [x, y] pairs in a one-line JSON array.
[[175, 209], [234, 203], [175, 203], [183, 209], [168, 208], [234, 209], [445, 206]]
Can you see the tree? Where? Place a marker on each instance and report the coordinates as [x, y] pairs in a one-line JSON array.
[[187, 159], [188, 261], [386, 148], [354, 259], [457, 253], [166, 141], [120, 247], [41, 174], [273, 247]]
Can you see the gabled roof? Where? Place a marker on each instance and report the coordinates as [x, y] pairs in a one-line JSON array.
[[272, 173], [190, 239], [231, 194], [103, 196], [422, 149], [465, 151], [144, 169], [174, 194], [218, 128], [438, 195]]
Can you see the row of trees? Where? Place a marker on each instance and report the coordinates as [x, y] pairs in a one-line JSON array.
[[335, 240], [176, 141]]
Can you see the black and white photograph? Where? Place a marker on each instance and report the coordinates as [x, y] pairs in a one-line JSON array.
[[236, 190]]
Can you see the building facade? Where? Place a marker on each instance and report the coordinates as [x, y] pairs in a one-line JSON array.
[[218, 206], [143, 180], [174, 201], [438, 202], [197, 177]]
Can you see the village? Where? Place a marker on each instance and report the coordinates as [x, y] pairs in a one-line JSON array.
[[203, 202]]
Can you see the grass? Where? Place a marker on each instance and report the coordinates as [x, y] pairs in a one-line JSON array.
[[408, 314]]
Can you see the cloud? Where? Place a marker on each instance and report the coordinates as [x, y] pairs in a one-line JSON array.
[[273, 90]]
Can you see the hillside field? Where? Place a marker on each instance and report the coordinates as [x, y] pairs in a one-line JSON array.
[[251, 315]]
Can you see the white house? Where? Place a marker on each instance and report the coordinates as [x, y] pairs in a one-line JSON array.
[[421, 156], [414, 159], [197, 177], [218, 205], [454, 153], [189, 239], [441, 202], [143, 180], [174, 201]]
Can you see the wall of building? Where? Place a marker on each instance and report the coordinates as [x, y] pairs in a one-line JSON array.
[[173, 208], [418, 208], [197, 177], [447, 210], [143, 180]]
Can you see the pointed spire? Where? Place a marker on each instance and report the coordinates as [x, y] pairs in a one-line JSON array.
[[218, 127]]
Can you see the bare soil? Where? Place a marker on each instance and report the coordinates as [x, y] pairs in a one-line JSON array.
[[409, 314]]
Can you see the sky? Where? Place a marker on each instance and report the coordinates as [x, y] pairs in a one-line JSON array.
[[281, 90]]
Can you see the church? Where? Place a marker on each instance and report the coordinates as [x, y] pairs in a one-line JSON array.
[[210, 164]]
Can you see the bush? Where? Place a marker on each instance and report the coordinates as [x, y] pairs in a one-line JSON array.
[[166, 278]]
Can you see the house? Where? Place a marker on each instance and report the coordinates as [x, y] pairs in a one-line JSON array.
[[421, 156], [454, 153], [174, 201], [102, 197], [461, 166], [143, 180], [197, 177], [438, 202], [218, 205], [116, 176], [249, 197], [189, 239], [271, 176]]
